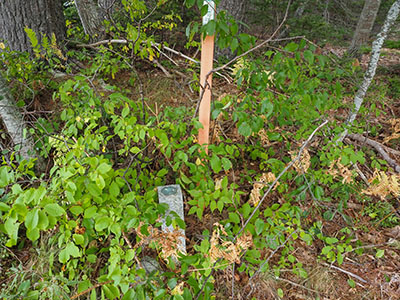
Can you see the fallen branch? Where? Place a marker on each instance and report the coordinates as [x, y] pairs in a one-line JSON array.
[[346, 272], [378, 147]]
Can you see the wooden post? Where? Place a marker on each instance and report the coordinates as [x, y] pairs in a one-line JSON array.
[[207, 56]]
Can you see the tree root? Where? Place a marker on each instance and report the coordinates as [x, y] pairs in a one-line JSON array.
[[378, 147]]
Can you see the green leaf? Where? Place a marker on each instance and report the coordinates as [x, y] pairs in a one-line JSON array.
[[328, 215], [220, 205], [326, 250], [351, 283], [226, 163], [184, 178], [102, 223], [291, 47], [125, 111], [93, 189], [245, 129], [234, 44], [43, 220], [32, 219], [280, 293], [162, 172], [76, 210], [63, 256], [215, 164], [33, 234], [213, 205], [72, 250], [162, 136], [4, 177], [114, 189], [307, 238], [78, 239], [331, 240], [93, 295], [4, 207], [189, 3], [100, 182], [210, 27], [379, 253], [318, 192], [309, 56], [339, 258], [55, 210], [90, 212], [259, 224], [103, 168], [234, 217]]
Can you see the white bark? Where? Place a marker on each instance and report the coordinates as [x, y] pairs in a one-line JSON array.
[[373, 63], [14, 122]]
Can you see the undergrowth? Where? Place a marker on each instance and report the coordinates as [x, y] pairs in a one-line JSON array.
[[93, 216]]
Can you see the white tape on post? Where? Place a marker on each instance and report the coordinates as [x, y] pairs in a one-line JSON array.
[[210, 15]]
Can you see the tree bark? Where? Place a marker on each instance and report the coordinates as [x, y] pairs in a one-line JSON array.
[[14, 122], [237, 9], [92, 18], [42, 16], [108, 6], [364, 26]]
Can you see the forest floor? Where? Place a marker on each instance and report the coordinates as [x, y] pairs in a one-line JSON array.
[[362, 275]]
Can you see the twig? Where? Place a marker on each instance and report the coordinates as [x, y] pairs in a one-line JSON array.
[[157, 46], [161, 67], [363, 177], [272, 185], [128, 242], [346, 272], [378, 147]]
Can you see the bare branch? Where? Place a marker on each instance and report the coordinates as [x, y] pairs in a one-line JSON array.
[[378, 147]]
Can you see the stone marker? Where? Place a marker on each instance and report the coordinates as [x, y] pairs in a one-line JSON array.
[[172, 195]]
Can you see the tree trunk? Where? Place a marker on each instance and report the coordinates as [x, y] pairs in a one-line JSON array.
[[108, 6], [364, 26], [92, 18], [42, 16], [14, 122], [237, 9]]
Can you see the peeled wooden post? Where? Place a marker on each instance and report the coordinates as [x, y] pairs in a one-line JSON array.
[[207, 56]]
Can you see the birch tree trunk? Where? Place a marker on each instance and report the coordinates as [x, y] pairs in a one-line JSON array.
[[364, 26], [92, 17], [14, 122], [42, 16], [373, 63]]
